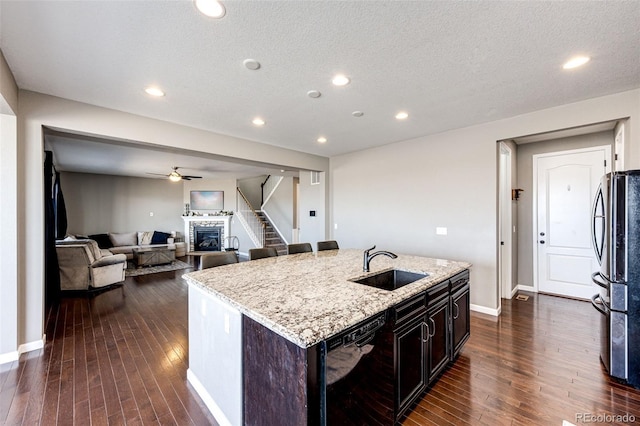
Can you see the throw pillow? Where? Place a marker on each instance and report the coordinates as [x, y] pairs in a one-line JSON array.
[[144, 238], [103, 240], [159, 237], [124, 239]]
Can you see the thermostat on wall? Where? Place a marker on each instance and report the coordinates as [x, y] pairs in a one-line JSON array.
[[312, 213]]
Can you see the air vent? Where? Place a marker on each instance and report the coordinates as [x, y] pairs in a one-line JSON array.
[[315, 178]]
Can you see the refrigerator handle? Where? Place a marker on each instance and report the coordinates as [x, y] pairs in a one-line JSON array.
[[599, 282], [596, 304], [598, 245]]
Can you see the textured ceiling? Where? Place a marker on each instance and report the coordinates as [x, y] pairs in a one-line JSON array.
[[448, 64]]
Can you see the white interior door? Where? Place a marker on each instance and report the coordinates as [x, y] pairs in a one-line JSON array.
[[566, 185]]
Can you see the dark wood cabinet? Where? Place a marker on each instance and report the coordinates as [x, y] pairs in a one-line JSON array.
[[429, 331], [438, 350], [411, 372], [460, 312]]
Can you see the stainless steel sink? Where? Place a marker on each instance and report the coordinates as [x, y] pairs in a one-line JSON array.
[[391, 279]]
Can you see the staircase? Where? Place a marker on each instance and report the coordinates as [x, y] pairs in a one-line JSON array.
[[271, 237]]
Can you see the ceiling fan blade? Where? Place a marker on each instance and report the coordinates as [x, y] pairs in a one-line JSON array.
[[157, 174], [191, 177]]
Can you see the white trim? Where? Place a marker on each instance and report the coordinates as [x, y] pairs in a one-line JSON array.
[[513, 292], [206, 398], [485, 310], [275, 227], [528, 288], [9, 357], [32, 346], [273, 190], [505, 223]]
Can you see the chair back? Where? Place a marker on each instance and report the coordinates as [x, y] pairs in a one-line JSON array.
[[299, 248], [327, 245], [218, 259], [261, 253]]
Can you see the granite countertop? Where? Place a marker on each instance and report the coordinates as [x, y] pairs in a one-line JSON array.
[[308, 297]]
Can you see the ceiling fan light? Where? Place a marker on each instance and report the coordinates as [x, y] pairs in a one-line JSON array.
[[175, 177]]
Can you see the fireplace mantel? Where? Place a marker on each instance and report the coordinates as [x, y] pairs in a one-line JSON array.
[[191, 221]]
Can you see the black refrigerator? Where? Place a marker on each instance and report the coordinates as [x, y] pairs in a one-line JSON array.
[[616, 237]]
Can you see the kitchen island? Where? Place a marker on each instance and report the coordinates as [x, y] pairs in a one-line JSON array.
[[256, 329]]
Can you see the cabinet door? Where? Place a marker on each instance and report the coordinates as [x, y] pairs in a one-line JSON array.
[[438, 351], [461, 329], [410, 344]]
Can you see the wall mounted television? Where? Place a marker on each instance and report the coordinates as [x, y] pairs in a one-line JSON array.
[[206, 200]]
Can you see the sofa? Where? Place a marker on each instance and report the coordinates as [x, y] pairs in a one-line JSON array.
[[84, 266], [125, 242]]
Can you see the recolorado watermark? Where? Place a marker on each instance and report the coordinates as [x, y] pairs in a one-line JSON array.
[[605, 418]]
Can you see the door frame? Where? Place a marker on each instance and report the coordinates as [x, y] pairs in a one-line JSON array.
[[505, 225], [534, 224]]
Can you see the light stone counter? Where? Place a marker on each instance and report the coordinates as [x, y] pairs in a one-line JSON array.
[[308, 297]]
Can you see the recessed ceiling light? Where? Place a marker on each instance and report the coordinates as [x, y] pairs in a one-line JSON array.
[[357, 113], [258, 121], [154, 91], [211, 8], [251, 64], [322, 139], [576, 62], [340, 80], [402, 115], [314, 94]]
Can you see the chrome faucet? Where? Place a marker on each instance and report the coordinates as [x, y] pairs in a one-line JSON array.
[[368, 257]]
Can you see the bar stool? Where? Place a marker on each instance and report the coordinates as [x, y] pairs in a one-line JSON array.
[[299, 248], [327, 245]]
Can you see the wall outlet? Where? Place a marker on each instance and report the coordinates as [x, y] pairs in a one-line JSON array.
[[441, 230], [151, 214], [335, 226]]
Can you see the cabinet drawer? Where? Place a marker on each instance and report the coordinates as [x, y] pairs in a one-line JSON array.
[[437, 293], [408, 310], [459, 280]]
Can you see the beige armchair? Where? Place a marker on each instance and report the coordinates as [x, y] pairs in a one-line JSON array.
[[83, 265]]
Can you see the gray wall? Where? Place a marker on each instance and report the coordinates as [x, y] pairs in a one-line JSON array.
[[104, 203], [250, 187], [226, 185], [312, 228], [396, 195], [525, 181], [280, 208]]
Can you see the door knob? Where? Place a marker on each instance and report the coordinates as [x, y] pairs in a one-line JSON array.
[[541, 241], [542, 234]]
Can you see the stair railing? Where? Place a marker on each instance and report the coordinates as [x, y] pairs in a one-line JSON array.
[[253, 224]]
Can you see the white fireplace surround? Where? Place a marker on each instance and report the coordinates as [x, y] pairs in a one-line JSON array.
[[191, 221]]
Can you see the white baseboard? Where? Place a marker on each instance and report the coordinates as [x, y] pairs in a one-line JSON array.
[[528, 288], [9, 357], [513, 292], [485, 310], [206, 398], [26, 347], [32, 346]]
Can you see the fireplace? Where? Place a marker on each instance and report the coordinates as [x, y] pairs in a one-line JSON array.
[[207, 238]]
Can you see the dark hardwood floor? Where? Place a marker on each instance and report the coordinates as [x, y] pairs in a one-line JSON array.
[[120, 357]]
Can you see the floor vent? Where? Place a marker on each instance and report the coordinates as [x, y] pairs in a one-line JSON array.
[[522, 297]]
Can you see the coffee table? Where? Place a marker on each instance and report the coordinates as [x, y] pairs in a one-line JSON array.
[[150, 256]]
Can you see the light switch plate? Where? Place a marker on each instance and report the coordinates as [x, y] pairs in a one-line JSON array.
[[441, 230]]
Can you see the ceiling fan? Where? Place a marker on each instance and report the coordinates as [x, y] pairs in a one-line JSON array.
[[175, 176]]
